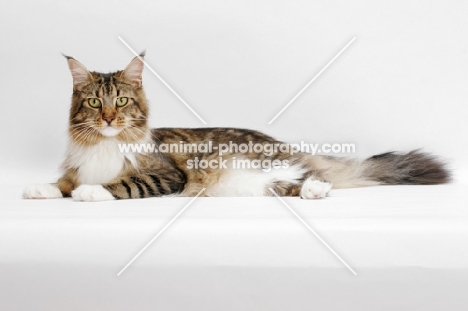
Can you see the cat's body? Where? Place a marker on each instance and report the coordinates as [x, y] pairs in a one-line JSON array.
[[109, 110]]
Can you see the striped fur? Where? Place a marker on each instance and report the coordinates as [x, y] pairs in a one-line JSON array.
[[95, 169]]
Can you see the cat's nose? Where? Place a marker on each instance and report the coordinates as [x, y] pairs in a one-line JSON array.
[[108, 119]]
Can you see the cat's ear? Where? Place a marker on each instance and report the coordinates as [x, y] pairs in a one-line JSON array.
[[79, 72], [134, 70]]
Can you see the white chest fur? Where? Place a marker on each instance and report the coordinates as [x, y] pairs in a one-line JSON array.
[[98, 164]]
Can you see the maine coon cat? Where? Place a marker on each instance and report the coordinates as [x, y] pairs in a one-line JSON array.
[[111, 109]]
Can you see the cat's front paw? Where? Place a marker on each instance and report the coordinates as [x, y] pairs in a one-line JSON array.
[[44, 191], [315, 189], [91, 193]]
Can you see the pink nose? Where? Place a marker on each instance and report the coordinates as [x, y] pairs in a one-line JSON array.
[[109, 119]]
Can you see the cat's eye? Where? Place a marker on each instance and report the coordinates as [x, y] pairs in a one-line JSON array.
[[121, 101], [94, 102]]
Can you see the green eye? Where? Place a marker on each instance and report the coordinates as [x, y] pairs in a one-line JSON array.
[[121, 101], [94, 102]]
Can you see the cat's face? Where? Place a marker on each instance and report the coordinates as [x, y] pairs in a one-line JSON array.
[[107, 106]]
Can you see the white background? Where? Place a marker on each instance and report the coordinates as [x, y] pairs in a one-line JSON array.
[[401, 85]]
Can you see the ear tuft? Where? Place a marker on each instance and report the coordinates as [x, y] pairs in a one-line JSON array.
[[66, 56], [79, 72], [134, 70]]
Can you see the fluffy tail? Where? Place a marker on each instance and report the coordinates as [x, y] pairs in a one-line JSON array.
[[391, 168]]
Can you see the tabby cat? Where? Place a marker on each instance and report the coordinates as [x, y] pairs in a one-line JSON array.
[[108, 110]]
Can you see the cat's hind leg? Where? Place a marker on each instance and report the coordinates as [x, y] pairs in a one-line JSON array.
[[312, 188]]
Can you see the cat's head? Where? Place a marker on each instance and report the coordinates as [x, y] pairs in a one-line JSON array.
[[107, 105]]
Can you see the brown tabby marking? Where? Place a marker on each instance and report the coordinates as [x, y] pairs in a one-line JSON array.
[[157, 174]]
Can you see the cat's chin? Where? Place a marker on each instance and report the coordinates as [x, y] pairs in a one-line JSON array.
[[110, 131]]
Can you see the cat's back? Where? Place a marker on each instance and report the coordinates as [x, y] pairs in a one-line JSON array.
[[169, 135]]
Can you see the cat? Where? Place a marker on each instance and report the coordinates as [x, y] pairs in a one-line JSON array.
[[109, 110]]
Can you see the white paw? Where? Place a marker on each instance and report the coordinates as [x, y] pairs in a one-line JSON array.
[[91, 193], [315, 189], [44, 191]]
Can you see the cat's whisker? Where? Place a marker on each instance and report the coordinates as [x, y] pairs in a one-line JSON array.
[[83, 123], [137, 128], [91, 136], [145, 133], [143, 118], [77, 131], [127, 132], [130, 136], [149, 133], [134, 136], [82, 136]]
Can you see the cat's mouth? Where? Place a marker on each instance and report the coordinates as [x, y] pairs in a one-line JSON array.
[[110, 131]]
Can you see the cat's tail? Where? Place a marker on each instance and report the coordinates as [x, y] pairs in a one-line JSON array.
[[391, 168]]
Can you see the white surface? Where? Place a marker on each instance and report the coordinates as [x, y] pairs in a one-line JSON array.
[[407, 244], [401, 85]]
